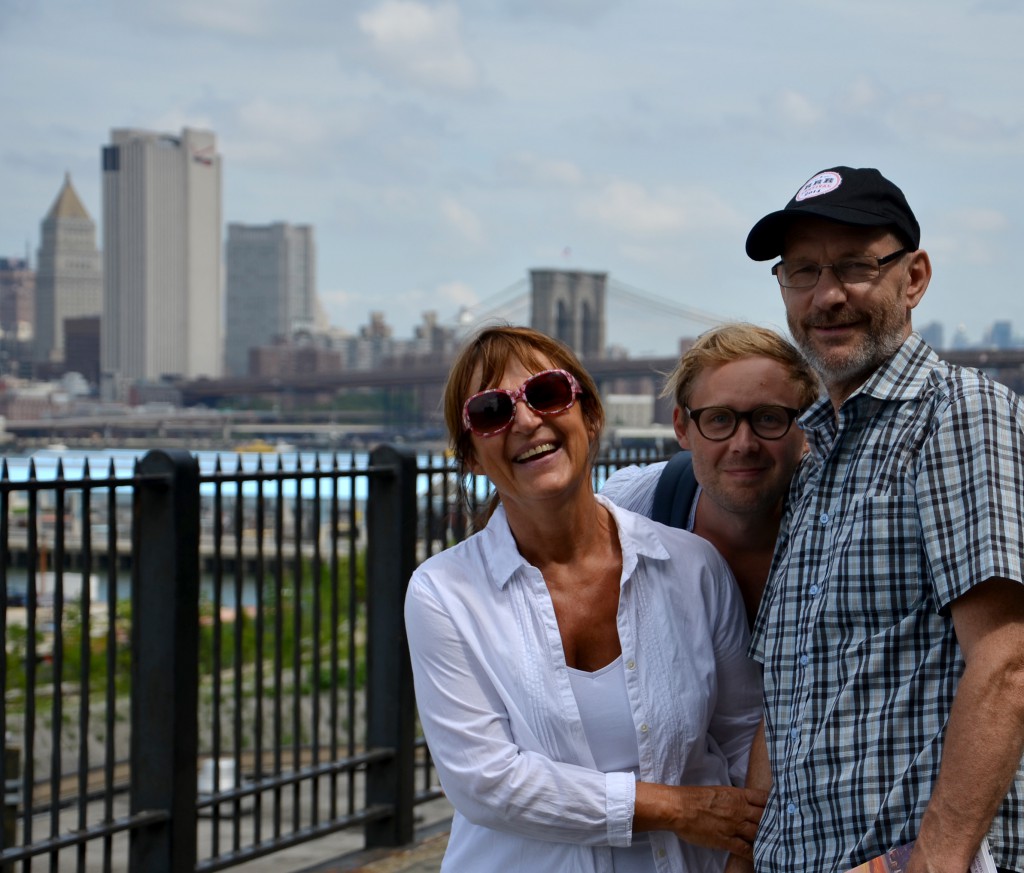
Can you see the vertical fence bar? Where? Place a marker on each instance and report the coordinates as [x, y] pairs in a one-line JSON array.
[[165, 666], [238, 674], [85, 657], [391, 711], [110, 677], [217, 654], [257, 731], [57, 662]]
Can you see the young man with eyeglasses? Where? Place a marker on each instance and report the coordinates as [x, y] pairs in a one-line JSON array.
[[892, 627], [737, 389]]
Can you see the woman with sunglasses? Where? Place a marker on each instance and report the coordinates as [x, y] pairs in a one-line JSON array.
[[581, 672]]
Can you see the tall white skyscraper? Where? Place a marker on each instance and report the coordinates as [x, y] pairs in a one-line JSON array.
[[271, 293], [161, 256], [69, 276]]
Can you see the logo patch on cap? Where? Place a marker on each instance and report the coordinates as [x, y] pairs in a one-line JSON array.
[[818, 185]]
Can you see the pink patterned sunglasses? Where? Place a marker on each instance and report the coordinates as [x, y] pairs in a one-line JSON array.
[[546, 393]]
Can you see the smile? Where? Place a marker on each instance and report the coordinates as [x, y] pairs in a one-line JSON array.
[[542, 449]]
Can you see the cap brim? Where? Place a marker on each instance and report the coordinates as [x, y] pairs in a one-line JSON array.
[[764, 241], [766, 238]]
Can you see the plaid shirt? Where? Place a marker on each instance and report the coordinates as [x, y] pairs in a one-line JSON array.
[[912, 497]]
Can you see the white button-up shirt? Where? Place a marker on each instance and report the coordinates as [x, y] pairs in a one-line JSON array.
[[502, 724]]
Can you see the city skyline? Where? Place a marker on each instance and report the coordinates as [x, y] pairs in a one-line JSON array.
[[442, 149]]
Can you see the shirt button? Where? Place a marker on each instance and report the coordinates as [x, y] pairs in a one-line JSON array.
[[804, 660], [643, 728], [661, 853], [631, 664], [823, 518], [814, 589], [794, 732], [791, 808]]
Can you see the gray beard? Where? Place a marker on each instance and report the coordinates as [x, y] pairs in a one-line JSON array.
[[876, 350]]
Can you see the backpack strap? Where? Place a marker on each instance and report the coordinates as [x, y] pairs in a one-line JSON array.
[[673, 495]]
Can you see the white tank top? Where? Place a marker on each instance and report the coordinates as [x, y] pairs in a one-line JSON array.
[[608, 726]]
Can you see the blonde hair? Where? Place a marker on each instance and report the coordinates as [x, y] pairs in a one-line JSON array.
[[733, 342]]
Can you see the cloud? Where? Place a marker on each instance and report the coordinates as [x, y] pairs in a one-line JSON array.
[[862, 95], [458, 294], [244, 18], [797, 110], [980, 220], [629, 208], [528, 169], [420, 43], [581, 12], [462, 219]]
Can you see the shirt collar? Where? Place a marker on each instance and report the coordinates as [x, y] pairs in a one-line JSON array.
[[637, 538], [904, 375]]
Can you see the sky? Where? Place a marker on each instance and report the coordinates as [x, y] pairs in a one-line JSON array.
[[443, 148]]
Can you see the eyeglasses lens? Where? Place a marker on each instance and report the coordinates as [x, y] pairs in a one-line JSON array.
[[767, 422], [490, 411], [548, 392]]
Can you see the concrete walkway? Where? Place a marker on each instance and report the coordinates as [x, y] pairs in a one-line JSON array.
[[422, 857]]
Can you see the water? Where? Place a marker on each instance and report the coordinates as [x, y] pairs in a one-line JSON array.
[[73, 463]]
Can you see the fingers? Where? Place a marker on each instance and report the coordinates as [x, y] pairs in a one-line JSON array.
[[738, 864], [740, 849], [724, 818], [756, 797]]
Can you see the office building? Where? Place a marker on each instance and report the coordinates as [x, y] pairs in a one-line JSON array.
[[161, 257], [1000, 335], [933, 333], [271, 288], [82, 347], [69, 281], [17, 294]]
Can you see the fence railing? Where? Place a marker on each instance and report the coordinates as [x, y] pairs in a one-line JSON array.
[[203, 663]]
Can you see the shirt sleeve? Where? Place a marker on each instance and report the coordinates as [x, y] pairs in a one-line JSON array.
[[487, 777], [633, 487], [970, 492]]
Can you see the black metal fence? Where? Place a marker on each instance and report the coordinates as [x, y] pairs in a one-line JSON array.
[[201, 667]]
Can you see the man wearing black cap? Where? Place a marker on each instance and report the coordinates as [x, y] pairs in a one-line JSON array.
[[892, 627]]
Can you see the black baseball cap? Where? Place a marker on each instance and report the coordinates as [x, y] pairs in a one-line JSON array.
[[848, 195]]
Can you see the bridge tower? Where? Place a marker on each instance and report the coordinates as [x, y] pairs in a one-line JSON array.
[[570, 306]]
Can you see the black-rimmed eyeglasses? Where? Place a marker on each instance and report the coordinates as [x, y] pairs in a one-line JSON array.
[[848, 271], [718, 423]]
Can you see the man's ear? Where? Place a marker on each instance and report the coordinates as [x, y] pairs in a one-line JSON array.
[[920, 274], [679, 421]]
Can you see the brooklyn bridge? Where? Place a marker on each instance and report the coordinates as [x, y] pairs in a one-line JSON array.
[[569, 305], [301, 408]]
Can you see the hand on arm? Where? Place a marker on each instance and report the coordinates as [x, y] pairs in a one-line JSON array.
[[716, 816], [985, 737]]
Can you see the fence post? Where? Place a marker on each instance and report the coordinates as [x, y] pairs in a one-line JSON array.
[[12, 794], [165, 660], [391, 712]]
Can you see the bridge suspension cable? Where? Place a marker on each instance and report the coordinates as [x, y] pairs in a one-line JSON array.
[[653, 302], [509, 303]]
